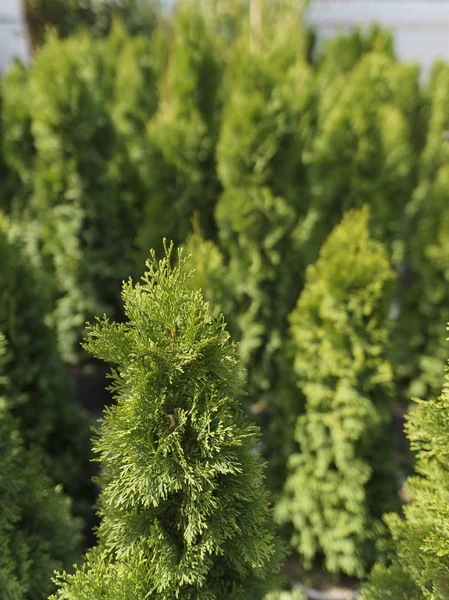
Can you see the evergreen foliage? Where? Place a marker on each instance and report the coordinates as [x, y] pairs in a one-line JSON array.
[[37, 532], [419, 568], [341, 53], [182, 135], [183, 506], [66, 17], [260, 165], [267, 124], [420, 341], [210, 275], [343, 477], [77, 148], [365, 150], [39, 392]]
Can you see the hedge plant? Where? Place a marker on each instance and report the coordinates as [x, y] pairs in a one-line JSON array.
[[77, 148], [340, 53], [267, 124], [366, 150], [39, 392], [67, 17], [183, 134], [420, 561], [183, 508], [342, 476], [420, 341], [38, 534]]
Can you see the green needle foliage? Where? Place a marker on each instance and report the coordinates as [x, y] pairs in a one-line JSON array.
[[421, 348], [184, 510], [39, 391], [182, 135], [343, 477], [420, 565], [69, 16], [210, 275], [265, 129], [365, 150], [340, 53], [37, 532], [74, 130]]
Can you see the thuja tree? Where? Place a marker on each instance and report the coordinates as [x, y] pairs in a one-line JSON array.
[[39, 392], [68, 16], [37, 532], [182, 135], [342, 477], [267, 124], [83, 166], [209, 273], [10, 149], [421, 342], [340, 53], [259, 159], [420, 562], [365, 150], [183, 506]]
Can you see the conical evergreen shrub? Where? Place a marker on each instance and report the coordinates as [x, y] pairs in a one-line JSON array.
[[340, 53], [267, 125], [342, 477], [182, 136], [365, 150], [421, 349], [210, 275], [37, 532], [67, 17], [419, 568], [77, 149], [183, 506], [39, 392]]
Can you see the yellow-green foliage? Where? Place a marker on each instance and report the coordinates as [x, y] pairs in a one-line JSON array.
[[184, 510], [209, 273], [76, 148], [182, 135], [342, 477], [421, 539], [340, 53], [364, 151], [421, 350], [37, 532], [39, 392]]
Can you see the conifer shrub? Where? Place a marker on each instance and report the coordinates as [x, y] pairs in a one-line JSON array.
[[39, 392], [38, 534], [182, 135], [183, 506], [210, 275], [82, 171], [66, 17], [341, 53], [420, 349], [267, 119], [259, 159], [419, 565], [342, 477], [365, 150], [266, 128]]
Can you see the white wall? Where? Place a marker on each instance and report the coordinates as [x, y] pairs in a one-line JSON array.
[[421, 26], [13, 40]]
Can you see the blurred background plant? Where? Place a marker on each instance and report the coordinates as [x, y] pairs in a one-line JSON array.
[[228, 127]]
